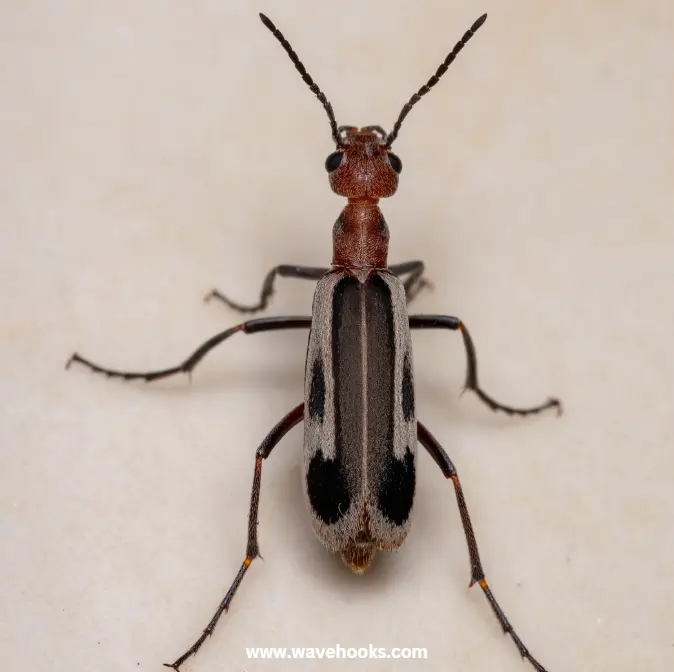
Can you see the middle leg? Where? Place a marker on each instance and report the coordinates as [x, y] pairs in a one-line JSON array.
[[249, 327], [454, 323]]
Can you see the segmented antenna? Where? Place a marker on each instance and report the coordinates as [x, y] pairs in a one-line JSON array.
[[305, 76], [434, 79]]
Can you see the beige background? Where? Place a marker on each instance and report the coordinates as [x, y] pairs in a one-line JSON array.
[[153, 150]]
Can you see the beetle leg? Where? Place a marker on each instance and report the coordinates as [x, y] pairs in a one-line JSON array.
[[436, 451], [454, 323], [252, 547], [413, 285], [249, 327], [416, 282], [285, 271]]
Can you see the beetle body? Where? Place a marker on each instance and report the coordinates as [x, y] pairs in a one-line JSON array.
[[360, 425]]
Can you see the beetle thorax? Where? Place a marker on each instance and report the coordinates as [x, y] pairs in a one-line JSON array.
[[360, 237]]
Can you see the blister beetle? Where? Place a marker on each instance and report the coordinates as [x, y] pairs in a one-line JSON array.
[[361, 427]]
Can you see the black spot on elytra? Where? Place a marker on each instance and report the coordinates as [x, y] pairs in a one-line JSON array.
[[407, 390], [396, 488], [317, 391], [327, 488]]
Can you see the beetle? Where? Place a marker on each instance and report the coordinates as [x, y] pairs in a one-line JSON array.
[[361, 428]]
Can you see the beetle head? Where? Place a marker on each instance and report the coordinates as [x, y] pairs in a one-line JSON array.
[[363, 167]]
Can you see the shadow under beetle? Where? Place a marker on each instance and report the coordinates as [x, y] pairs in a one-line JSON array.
[[359, 414]]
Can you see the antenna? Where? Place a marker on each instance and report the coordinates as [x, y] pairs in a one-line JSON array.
[[434, 79], [306, 77]]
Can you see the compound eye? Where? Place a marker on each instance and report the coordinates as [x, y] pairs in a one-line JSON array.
[[395, 162], [333, 161]]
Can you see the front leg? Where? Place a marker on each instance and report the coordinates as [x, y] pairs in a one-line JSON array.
[[285, 271], [454, 323], [415, 282]]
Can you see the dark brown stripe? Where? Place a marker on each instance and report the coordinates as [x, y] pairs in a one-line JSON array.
[[347, 366], [380, 370]]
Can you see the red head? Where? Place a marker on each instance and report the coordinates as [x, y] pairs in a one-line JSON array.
[[363, 168]]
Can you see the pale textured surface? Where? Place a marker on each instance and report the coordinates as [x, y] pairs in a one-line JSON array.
[[151, 150]]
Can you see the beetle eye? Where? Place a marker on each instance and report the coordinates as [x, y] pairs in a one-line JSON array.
[[333, 161], [395, 162]]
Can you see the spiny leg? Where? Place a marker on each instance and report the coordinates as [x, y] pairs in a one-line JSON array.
[[436, 451], [285, 271], [454, 323], [249, 327], [415, 283], [252, 547]]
